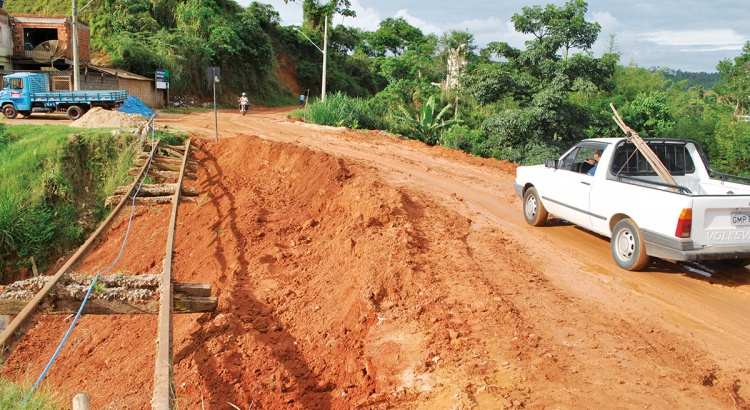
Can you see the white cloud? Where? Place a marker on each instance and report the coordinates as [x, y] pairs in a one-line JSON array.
[[718, 37], [608, 22], [367, 18], [418, 23], [489, 30]]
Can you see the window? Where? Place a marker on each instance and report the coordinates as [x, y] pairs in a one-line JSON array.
[[581, 158], [13, 83], [673, 154]]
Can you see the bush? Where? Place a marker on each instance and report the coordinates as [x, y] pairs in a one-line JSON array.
[[338, 110], [463, 138]]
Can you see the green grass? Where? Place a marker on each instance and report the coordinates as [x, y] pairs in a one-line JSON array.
[[183, 110], [12, 394], [53, 184], [339, 110]]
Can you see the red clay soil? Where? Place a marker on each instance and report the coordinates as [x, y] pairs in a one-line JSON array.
[[359, 270]]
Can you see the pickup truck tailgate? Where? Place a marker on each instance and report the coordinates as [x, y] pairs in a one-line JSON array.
[[721, 221]]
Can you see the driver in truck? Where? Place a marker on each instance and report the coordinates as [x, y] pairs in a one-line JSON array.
[[594, 161]]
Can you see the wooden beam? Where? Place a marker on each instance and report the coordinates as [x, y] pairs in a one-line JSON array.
[[188, 298], [179, 148], [163, 376], [149, 200], [193, 289], [169, 175], [163, 166], [643, 147], [182, 304], [81, 402], [158, 190], [168, 160]]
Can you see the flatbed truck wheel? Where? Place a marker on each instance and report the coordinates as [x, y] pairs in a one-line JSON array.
[[75, 112], [9, 111]]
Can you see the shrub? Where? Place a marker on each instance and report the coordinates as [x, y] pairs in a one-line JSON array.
[[338, 110]]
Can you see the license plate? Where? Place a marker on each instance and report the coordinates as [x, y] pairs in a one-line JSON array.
[[741, 218]]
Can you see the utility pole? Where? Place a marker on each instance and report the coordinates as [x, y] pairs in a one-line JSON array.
[[74, 38], [325, 55], [325, 59], [74, 26]]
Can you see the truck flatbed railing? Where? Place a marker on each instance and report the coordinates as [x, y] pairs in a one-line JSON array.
[[79, 96], [674, 187], [727, 177]]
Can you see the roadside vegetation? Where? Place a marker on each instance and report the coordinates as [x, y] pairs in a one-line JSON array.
[[53, 184], [12, 394]]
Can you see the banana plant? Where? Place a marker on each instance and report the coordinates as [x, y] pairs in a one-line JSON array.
[[427, 126]]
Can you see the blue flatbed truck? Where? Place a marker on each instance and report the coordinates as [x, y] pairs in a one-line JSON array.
[[27, 93]]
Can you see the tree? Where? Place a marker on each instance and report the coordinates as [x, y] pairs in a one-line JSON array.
[[649, 114], [394, 36], [540, 82], [735, 89], [556, 28], [314, 12]]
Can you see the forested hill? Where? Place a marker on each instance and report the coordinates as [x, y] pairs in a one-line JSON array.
[[705, 80], [520, 104], [184, 36]]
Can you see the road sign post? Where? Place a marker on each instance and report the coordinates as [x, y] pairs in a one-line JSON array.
[[213, 77]]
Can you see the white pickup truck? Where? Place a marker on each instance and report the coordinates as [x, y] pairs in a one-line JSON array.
[[705, 216]]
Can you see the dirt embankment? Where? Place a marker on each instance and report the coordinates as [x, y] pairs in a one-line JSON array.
[[358, 270]]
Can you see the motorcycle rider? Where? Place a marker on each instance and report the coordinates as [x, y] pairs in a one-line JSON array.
[[244, 103]]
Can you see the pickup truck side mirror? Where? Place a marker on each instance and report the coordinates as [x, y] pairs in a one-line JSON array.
[[552, 163]]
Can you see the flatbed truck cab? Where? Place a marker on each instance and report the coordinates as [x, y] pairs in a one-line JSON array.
[[27, 93]]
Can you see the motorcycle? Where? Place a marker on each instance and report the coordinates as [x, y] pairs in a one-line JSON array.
[[244, 108]]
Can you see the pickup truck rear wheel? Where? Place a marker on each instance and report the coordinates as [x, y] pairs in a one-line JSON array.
[[533, 209], [9, 111], [627, 245], [75, 112]]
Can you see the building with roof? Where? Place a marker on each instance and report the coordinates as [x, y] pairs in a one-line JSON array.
[[43, 43]]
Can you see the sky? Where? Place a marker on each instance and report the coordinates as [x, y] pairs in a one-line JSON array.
[[687, 35]]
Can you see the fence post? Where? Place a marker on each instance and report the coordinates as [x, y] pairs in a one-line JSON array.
[[81, 402]]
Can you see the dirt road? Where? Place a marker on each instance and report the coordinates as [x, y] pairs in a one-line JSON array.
[[359, 270]]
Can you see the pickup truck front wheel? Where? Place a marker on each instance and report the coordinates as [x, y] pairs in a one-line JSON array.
[[9, 111], [533, 209], [627, 246]]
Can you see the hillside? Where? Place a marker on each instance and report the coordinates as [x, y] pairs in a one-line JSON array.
[[359, 270]]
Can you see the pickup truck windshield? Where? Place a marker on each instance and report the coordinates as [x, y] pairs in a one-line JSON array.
[[674, 155]]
